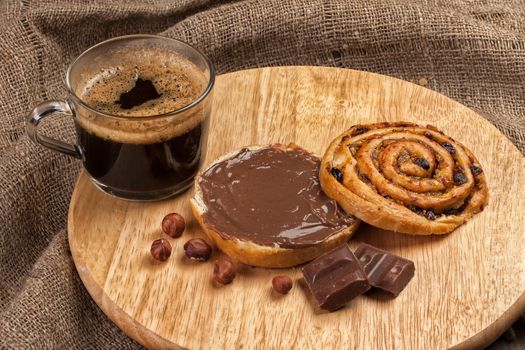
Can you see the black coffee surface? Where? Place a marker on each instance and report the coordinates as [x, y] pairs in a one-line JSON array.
[[143, 91]]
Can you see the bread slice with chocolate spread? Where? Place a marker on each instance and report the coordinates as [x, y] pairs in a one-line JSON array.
[[264, 206]]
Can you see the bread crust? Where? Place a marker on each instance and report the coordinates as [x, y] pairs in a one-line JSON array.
[[251, 253], [361, 198]]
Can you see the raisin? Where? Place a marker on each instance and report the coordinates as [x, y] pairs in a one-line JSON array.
[[459, 178], [449, 147], [451, 211], [428, 135], [476, 170], [337, 174], [358, 131], [422, 162], [430, 214], [417, 210]]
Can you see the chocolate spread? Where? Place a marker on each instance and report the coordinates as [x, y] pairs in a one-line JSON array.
[[270, 196]]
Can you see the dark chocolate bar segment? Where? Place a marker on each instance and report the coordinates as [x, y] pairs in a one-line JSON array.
[[335, 278], [386, 271]]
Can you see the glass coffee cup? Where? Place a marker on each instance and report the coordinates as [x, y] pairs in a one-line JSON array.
[[140, 105]]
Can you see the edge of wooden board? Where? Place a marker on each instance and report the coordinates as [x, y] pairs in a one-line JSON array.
[[151, 339]]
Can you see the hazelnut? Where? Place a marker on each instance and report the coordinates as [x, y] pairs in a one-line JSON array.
[[197, 249], [282, 284], [224, 271], [160, 249], [173, 225]]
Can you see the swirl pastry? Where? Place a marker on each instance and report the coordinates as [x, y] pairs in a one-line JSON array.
[[404, 177]]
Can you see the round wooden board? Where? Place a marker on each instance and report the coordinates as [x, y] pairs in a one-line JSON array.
[[469, 285]]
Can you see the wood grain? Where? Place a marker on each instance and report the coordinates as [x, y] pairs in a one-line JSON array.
[[469, 285]]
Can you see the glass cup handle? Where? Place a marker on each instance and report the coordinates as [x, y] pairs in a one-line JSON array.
[[42, 111]]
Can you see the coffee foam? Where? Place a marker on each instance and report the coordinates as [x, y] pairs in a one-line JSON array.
[[178, 81]]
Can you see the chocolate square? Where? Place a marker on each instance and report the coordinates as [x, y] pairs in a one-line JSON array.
[[386, 271], [335, 278]]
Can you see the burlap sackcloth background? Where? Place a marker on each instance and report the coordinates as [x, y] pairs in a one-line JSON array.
[[472, 51]]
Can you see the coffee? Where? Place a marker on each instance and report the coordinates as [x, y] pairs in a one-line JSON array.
[[142, 152], [143, 81]]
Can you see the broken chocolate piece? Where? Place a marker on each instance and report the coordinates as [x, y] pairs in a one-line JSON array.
[[335, 278], [386, 271]]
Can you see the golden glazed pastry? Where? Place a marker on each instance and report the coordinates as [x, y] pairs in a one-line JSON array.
[[404, 177]]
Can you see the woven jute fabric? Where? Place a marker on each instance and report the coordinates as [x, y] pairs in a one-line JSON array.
[[472, 51]]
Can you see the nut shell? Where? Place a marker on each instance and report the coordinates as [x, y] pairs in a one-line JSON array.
[[223, 271], [197, 249], [282, 284], [173, 225], [160, 249]]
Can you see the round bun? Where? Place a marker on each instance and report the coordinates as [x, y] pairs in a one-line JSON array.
[[404, 177], [251, 253]]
